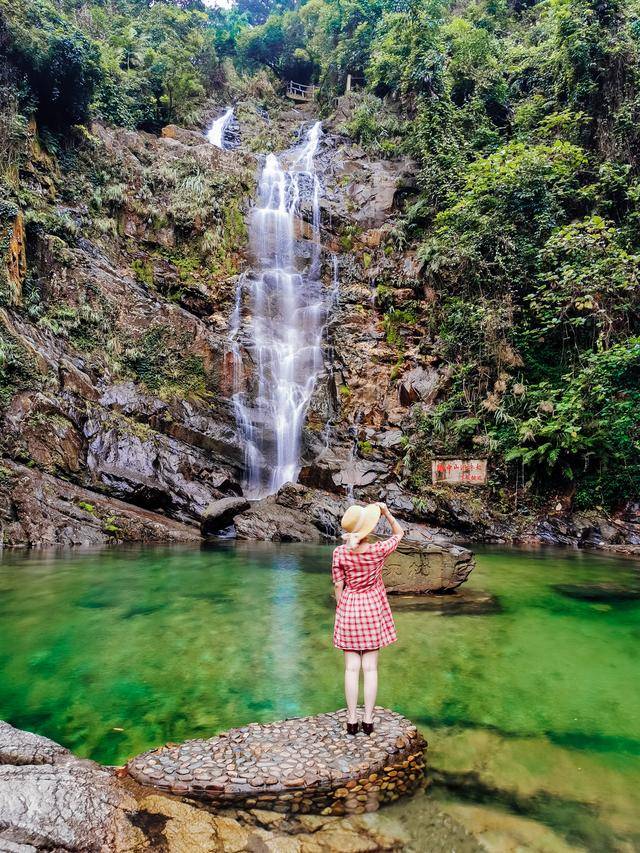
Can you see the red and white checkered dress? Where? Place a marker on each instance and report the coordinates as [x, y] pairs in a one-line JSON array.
[[363, 617]]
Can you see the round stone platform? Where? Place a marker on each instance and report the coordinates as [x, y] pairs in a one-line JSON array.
[[307, 764]]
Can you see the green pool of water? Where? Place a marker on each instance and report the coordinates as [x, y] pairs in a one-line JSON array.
[[534, 709]]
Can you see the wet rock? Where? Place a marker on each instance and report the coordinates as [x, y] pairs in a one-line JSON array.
[[219, 514], [149, 469], [14, 260], [271, 521], [39, 509], [298, 765]]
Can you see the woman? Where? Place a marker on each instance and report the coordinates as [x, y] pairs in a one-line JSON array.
[[364, 622]]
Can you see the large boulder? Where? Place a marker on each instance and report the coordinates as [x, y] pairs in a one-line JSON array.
[[419, 567], [293, 514], [219, 514]]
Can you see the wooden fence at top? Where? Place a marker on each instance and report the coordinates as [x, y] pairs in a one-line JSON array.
[[301, 92], [307, 92]]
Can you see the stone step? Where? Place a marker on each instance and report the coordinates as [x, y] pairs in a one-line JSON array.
[[305, 765]]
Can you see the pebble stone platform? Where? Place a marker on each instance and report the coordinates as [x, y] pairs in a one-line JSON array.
[[306, 765]]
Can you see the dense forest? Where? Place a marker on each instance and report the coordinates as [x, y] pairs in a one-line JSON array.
[[523, 121]]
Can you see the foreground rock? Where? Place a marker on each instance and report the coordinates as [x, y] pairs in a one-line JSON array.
[[305, 765], [52, 801]]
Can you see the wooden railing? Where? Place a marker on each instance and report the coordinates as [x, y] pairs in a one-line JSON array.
[[301, 91], [307, 92]]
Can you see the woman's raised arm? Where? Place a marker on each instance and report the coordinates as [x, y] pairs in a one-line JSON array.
[[396, 528]]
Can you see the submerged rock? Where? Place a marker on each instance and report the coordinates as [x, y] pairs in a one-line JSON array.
[[601, 593], [464, 602]]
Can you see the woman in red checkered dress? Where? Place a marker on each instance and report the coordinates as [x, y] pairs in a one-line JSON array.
[[364, 622]]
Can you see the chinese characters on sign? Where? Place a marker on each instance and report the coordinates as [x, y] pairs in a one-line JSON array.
[[459, 471]]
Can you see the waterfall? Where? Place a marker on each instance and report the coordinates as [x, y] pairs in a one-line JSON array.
[[278, 320], [215, 134]]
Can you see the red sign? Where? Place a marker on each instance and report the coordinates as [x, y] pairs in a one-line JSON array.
[[473, 471]]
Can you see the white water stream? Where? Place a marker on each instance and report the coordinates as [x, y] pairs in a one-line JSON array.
[[278, 321], [215, 134]]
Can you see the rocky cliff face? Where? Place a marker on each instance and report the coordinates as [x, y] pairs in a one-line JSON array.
[[118, 276], [116, 422]]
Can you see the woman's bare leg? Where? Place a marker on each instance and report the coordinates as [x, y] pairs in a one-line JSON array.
[[370, 669], [351, 679]]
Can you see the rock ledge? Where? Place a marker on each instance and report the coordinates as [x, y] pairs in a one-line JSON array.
[[306, 765]]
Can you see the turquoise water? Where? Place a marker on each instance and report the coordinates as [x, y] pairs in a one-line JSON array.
[[534, 709]]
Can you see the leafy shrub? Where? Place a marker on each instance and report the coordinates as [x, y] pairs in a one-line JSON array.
[[589, 289], [378, 131], [586, 431], [493, 231]]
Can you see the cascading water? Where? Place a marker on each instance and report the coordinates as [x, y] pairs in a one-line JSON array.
[[277, 324], [216, 132]]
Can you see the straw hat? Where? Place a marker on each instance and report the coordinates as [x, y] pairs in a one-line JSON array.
[[359, 521]]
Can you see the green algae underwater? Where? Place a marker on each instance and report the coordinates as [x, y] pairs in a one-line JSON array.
[[531, 708]]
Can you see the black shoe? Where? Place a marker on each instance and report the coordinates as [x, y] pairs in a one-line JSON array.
[[367, 728], [352, 728]]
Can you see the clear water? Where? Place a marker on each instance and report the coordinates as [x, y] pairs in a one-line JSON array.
[[535, 709]]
